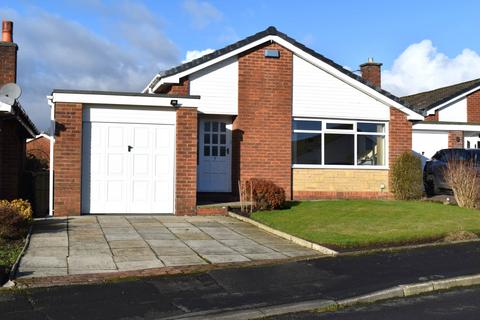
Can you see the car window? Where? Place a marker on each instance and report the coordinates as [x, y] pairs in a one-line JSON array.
[[456, 154]]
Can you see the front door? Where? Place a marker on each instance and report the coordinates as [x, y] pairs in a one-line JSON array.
[[215, 164], [472, 142]]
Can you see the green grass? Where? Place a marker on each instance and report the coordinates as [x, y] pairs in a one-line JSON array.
[[9, 251], [370, 223]]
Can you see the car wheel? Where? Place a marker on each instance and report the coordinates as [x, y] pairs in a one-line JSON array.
[[430, 188]]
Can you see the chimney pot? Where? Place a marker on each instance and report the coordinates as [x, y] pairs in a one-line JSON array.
[[7, 31], [372, 72]]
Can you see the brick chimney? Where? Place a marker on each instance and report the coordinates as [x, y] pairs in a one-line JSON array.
[[371, 71], [8, 54]]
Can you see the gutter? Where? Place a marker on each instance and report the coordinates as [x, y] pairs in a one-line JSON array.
[[52, 141]]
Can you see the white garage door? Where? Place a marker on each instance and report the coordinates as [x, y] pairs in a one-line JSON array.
[[426, 143], [128, 167]]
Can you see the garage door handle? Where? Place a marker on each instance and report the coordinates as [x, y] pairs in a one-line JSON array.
[[130, 148]]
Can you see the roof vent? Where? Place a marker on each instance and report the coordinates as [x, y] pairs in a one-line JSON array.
[[272, 54]]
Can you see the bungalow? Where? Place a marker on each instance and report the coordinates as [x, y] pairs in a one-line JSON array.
[[264, 107], [15, 125], [452, 118]]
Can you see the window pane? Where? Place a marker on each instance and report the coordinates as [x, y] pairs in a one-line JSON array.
[[370, 127], [214, 151], [206, 151], [307, 148], [222, 151], [206, 138], [223, 127], [307, 125], [340, 126], [215, 126], [371, 150], [206, 126], [223, 139], [339, 149], [214, 139]]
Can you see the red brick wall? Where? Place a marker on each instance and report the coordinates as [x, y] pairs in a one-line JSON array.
[[473, 107], [39, 148], [8, 62], [68, 159], [313, 195], [12, 159], [453, 136], [432, 117], [186, 162], [400, 135], [181, 89], [262, 130]]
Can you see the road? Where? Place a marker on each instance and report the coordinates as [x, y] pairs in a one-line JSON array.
[[460, 304], [242, 288]]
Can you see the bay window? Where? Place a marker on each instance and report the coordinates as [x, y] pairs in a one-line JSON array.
[[338, 143]]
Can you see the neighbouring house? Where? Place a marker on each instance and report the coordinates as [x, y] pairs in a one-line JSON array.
[[15, 125], [264, 107], [39, 149], [452, 118]]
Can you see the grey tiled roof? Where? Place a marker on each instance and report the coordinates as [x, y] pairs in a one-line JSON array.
[[429, 99], [273, 31]]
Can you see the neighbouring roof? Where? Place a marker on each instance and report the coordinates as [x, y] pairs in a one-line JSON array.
[[23, 118], [424, 101], [269, 32]]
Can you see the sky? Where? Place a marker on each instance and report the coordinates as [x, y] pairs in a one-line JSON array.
[[122, 44]]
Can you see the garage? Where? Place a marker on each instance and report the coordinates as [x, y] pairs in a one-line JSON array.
[[128, 160]]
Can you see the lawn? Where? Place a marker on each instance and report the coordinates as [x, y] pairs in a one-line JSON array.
[[9, 251], [370, 223]]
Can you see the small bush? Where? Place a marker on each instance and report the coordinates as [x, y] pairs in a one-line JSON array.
[[22, 207], [406, 177], [266, 195], [13, 225], [464, 179]]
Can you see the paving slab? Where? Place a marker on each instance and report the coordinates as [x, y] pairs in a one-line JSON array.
[[41, 272], [48, 251], [173, 251], [209, 247], [139, 265], [158, 236], [167, 243], [97, 262], [123, 236], [117, 244], [81, 251], [31, 262], [224, 258], [170, 261]]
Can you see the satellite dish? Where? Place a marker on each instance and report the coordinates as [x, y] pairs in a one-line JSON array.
[[11, 90]]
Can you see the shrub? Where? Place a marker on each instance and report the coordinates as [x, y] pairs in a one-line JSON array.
[[406, 177], [22, 207], [266, 195], [13, 225], [464, 179]]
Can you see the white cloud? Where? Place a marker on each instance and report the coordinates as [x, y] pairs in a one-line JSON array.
[[195, 54], [203, 13], [58, 53], [422, 67]]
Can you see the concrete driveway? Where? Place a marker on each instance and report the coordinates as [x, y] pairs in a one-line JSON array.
[[95, 244]]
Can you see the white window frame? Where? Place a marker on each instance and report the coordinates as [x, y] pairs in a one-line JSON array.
[[353, 132]]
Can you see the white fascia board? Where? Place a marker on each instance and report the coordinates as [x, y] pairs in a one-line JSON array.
[[5, 107], [148, 88], [304, 55], [445, 127], [129, 100], [455, 99]]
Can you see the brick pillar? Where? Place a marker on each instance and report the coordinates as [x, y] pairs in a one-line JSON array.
[[399, 136], [186, 162], [68, 159], [455, 139], [473, 107], [261, 139]]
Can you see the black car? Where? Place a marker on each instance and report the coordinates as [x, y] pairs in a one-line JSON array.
[[433, 172]]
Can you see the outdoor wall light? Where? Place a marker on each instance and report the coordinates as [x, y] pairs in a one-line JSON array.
[[174, 103]]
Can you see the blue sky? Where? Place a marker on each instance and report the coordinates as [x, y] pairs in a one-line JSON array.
[[120, 45]]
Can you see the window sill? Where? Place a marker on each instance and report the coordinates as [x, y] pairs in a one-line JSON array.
[[319, 166]]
